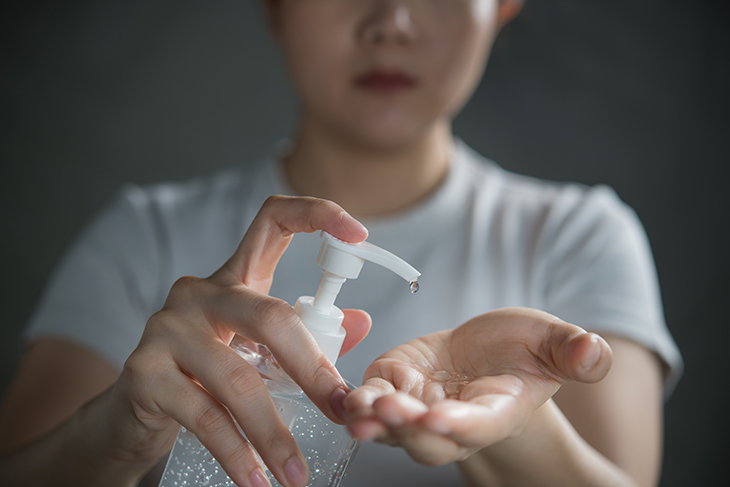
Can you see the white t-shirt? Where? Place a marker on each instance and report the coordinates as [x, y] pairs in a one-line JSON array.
[[485, 239]]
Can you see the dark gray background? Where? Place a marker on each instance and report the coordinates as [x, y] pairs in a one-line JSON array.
[[632, 93]]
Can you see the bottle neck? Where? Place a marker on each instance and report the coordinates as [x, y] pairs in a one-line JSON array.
[[329, 287]]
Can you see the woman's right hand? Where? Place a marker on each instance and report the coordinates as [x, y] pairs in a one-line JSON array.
[[184, 373]]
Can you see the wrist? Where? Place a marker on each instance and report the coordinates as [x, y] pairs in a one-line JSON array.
[[97, 457], [75, 453], [548, 451]]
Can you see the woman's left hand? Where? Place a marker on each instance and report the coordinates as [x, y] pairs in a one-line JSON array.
[[446, 395]]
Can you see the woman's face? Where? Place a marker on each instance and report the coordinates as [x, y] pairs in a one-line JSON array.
[[381, 72]]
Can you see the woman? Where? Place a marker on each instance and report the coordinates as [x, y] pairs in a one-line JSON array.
[[379, 83]]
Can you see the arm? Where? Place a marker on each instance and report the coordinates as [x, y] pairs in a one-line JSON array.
[[622, 416], [600, 272], [184, 373], [75, 452], [43, 423], [607, 433], [502, 425], [54, 380]]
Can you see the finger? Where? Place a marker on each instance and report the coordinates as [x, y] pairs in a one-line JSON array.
[[488, 409], [401, 417], [301, 358], [477, 423], [558, 351], [192, 407], [279, 218], [358, 407], [359, 403], [582, 357], [589, 357], [425, 447], [233, 382], [271, 321], [367, 429], [383, 377], [396, 410], [357, 323], [570, 351]]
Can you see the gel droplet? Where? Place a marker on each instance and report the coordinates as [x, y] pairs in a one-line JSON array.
[[441, 376], [414, 287]]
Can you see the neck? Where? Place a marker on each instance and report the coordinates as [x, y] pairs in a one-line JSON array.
[[369, 182]]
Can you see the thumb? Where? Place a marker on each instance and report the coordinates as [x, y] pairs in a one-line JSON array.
[[583, 357], [357, 324]]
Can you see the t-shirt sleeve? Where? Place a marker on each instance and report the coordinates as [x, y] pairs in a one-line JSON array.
[[106, 285], [603, 277]]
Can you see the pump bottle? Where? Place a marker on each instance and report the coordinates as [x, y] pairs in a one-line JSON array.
[[328, 447]]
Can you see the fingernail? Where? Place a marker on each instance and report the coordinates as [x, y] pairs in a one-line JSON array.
[[258, 478], [593, 354], [295, 472], [350, 222], [337, 403]]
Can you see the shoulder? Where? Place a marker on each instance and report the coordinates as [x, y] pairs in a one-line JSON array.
[[210, 203], [584, 253], [149, 234], [551, 208], [211, 190]]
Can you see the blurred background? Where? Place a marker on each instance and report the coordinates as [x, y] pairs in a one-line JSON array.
[[631, 93]]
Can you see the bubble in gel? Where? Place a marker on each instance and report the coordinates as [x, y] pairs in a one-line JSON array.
[[414, 287]]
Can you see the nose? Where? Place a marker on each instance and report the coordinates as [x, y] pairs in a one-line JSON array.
[[388, 22]]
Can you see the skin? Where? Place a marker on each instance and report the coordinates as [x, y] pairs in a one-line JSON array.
[[89, 424], [120, 434], [499, 419], [351, 142]]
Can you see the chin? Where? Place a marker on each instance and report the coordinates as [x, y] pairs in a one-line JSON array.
[[382, 142], [385, 136]]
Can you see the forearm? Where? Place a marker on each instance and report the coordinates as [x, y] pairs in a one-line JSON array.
[[548, 452], [75, 453]]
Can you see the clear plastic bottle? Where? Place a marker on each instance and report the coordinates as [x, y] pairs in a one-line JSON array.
[[328, 447]]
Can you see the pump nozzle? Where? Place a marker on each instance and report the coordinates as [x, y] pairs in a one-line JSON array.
[[331, 258], [341, 261]]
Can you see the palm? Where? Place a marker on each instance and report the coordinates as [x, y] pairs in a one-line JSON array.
[[475, 385]]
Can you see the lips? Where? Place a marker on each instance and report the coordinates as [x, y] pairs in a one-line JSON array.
[[382, 81]]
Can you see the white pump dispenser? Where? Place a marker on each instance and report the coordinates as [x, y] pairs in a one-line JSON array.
[[341, 261]]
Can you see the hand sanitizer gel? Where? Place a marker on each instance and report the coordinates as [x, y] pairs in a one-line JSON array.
[[327, 446]]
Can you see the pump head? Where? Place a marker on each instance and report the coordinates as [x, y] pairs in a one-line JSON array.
[[341, 261]]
